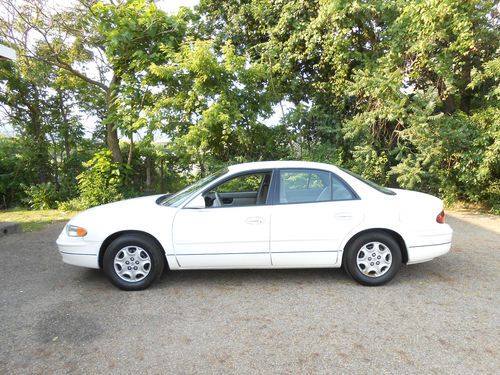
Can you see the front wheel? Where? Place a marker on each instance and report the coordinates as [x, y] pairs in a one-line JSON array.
[[133, 262], [373, 259]]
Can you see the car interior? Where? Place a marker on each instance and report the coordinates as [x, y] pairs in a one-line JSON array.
[[243, 190], [302, 186], [295, 186]]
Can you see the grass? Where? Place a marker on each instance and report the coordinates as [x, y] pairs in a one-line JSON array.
[[32, 220]]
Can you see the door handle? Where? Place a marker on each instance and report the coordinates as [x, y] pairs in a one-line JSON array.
[[254, 220], [343, 216]]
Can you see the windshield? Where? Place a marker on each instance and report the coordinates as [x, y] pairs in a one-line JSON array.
[[175, 200], [370, 183]]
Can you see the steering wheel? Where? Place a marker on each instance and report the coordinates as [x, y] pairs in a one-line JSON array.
[[217, 200]]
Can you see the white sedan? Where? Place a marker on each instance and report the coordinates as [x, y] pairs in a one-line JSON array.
[[277, 214]]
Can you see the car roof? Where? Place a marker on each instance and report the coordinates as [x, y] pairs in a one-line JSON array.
[[279, 164]]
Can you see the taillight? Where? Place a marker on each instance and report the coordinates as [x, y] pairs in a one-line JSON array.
[[440, 217]]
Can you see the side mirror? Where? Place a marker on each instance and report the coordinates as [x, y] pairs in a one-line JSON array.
[[197, 202]]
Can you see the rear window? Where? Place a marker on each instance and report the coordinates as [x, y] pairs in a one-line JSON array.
[[370, 183]]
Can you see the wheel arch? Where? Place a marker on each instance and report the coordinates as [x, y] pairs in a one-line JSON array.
[[399, 239], [115, 235]]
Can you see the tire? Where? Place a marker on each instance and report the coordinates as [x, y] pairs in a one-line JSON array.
[[362, 266], [133, 251]]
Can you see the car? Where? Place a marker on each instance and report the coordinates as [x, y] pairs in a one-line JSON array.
[[273, 214]]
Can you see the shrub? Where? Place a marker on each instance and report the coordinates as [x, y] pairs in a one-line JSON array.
[[74, 204], [102, 181], [41, 196]]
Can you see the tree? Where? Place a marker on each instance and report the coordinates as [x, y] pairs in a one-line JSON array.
[[213, 102], [107, 47], [388, 88]]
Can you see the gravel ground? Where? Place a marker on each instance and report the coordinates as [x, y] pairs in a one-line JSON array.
[[437, 317]]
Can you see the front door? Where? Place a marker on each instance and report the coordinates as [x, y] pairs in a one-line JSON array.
[[232, 231]]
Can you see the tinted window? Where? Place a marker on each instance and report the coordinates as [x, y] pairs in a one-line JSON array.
[[370, 183], [302, 186], [340, 191]]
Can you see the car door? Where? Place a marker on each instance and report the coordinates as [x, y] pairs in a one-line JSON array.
[[232, 230], [313, 210]]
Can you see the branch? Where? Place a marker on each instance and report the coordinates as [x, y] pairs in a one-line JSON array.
[[57, 62]]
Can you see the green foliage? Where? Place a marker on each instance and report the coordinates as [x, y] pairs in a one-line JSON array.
[[41, 196], [103, 181], [11, 175], [405, 93], [212, 103]]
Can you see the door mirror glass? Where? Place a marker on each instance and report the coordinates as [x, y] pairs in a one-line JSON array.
[[197, 202]]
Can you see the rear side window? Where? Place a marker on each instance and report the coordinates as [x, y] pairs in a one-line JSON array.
[[309, 185], [370, 183]]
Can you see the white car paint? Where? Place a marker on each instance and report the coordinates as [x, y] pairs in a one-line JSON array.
[[222, 237], [266, 236]]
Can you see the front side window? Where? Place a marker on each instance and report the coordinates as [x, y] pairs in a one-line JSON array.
[[303, 186], [243, 190], [175, 200]]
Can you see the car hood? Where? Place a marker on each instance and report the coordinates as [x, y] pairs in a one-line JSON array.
[[128, 203], [125, 211]]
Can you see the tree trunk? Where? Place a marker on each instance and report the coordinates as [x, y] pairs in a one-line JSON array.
[[162, 183], [65, 126], [113, 143], [111, 130], [40, 147], [447, 99], [466, 95], [130, 149], [148, 173]]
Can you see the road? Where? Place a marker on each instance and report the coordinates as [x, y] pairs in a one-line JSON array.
[[439, 317]]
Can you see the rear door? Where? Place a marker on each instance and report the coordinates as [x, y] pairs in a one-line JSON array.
[[313, 210]]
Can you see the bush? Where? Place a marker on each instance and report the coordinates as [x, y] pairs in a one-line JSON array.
[[102, 180], [40, 197], [74, 204]]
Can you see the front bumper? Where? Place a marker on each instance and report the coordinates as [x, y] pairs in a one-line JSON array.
[[77, 251]]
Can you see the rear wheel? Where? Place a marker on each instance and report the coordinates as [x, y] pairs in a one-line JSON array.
[[373, 259], [133, 262]]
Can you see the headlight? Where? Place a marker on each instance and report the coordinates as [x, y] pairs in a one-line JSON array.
[[74, 231]]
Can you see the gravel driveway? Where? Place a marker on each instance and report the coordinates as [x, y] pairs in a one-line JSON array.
[[437, 317]]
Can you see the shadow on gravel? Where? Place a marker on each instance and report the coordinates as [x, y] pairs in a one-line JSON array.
[[208, 278], [297, 276]]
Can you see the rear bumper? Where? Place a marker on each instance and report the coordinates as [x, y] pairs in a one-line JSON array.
[[78, 252], [426, 246], [419, 254]]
